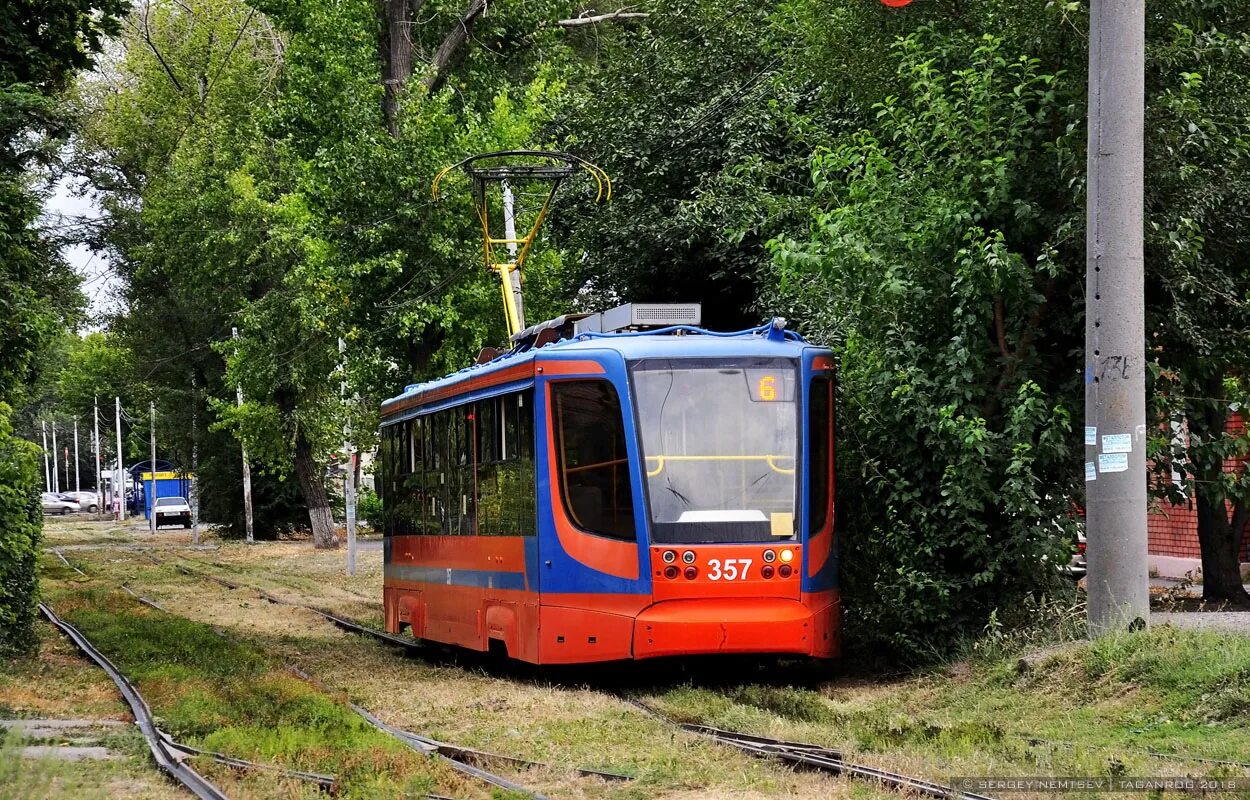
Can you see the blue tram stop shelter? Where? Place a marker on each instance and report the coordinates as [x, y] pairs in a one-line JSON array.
[[164, 481]]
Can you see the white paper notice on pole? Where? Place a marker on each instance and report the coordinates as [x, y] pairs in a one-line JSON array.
[[1112, 462], [1091, 474], [1117, 443], [1091, 435]]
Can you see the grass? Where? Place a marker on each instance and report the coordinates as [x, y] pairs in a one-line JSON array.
[[55, 682], [225, 695], [1086, 709], [126, 776], [1090, 709], [464, 701]]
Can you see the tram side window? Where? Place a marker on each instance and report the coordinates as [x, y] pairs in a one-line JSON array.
[[466, 470], [593, 462], [386, 483], [820, 448], [504, 436]]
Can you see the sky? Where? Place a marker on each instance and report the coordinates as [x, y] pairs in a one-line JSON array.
[[64, 208]]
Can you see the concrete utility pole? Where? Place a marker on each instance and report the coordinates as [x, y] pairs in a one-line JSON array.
[[47, 469], [56, 473], [349, 479], [1115, 345], [509, 232], [247, 468], [152, 471], [77, 485], [195, 463], [99, 484], [119, 486]]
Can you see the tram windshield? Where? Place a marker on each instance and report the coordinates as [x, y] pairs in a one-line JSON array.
[[719, 444]]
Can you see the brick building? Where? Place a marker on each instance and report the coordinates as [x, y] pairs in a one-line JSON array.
[[1173, 529]]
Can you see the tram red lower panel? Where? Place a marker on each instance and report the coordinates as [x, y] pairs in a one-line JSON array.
[[725, 625], [588, 628]]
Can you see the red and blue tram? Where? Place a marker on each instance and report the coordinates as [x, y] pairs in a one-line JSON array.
[[598, 496]]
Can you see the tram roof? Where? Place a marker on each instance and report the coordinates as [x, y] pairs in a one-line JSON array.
[[681, 341]]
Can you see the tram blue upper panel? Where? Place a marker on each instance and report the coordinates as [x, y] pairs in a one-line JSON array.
[[683, 342]]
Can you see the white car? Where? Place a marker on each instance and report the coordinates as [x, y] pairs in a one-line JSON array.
[[55, 504], [171, 511]]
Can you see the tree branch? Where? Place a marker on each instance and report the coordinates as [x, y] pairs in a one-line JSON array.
[[583, 20], [147, 37], [452, 43], [1000, 326]]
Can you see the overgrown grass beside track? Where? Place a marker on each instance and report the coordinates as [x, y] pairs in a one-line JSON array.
[[225, 695], [1083, 709], [1109, 707]]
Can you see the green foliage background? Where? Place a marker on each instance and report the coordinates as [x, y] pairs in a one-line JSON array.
[[906, 185], [42, 44]]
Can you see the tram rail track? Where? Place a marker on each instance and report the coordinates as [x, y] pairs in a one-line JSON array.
[[799, 754], [158, 742], [466, 760], [809, 756]]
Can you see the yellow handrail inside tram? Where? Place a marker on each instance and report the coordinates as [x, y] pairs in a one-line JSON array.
[[771, 459]]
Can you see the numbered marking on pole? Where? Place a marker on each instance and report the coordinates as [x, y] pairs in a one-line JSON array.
[[1114, 367]]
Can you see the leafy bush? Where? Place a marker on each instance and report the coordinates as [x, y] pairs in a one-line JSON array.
[[369, 507], [936, 266], [21, 528]]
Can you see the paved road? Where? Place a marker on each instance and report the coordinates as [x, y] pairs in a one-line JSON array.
[[1227, 621]]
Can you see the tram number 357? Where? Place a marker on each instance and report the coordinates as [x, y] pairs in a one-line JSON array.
[[731, 569]]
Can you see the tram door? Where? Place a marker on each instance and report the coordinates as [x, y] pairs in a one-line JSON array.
[[590, 554]]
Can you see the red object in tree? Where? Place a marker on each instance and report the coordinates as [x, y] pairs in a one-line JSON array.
[[896, 3]]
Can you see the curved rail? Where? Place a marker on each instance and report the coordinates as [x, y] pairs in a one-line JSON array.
[[460, 758], [157, 743], [811, 756]]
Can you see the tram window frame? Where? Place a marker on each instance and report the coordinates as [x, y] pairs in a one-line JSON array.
[[623, 515], [820, 470]]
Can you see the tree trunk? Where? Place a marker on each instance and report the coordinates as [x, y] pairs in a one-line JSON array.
[[395, 52], [314, 491], [1219, 538], [1219, 541]]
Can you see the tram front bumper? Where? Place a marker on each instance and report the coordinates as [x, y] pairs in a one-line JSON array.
[[727, 625]]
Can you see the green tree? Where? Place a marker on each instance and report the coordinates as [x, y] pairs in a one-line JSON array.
[[42, 44], [1198, 160], [938, 264]]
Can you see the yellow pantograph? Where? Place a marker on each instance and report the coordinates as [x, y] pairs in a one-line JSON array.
[[510, 171]]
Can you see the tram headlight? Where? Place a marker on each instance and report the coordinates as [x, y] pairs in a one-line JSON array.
[[784, 570], [787, 556], [669, 556], [770, 556], [688, 556]]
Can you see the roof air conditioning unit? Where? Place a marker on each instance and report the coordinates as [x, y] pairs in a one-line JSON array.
[[640, 316]]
